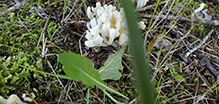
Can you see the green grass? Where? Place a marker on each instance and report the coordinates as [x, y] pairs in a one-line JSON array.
[[142, 70]]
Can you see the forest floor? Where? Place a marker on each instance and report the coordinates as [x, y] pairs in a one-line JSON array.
[[182, 50]]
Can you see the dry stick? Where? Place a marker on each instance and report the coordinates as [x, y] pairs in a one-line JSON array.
[[134, 101], [69, 88], [162, 12], [31, 97], [179, 13], [4, 8], [204, 80], [155, 21], [15, 7], [197, 86], [57, 30], [208, 54], [80, 43], [53, 44], [70, 14], [95, 95], [62, 95], [64, 19], [187, 33], [210, 22], [44, 50], [166, 2], [44, 29], [200, 44], [56, 76], [172, 52]]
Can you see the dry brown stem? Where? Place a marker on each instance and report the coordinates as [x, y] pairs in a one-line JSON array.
[[15, 7]]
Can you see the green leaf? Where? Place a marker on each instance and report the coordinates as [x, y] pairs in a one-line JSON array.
[[179, 78], [79, 68], [110, 70]]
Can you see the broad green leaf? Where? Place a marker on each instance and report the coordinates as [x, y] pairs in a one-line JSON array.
[[110, 70], [79, 68]]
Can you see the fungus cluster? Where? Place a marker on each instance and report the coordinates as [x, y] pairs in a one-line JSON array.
[[107, 26]]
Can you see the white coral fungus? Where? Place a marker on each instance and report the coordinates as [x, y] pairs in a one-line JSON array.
[[13, 99], [140, 3], [107, 26], [199, 9]]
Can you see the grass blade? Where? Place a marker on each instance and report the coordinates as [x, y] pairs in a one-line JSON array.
[[141, 66]]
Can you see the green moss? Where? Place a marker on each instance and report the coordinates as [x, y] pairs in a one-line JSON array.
[[205, 7], [33, 16], [173, 92], [46, 3], [12, 15], [195, 80], [182, 88], [40, 2], [19, 53], [14, 77], [196, 4], [51, 28]]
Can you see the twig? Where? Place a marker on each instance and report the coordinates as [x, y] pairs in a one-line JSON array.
[[44, 50], [53, 44], [56, 76], [210, 22], [30, 95], [216, 57], [200, 44], [162, 12], [155, 22], [44, 29], [80, 43], [207, 63], [15, 7]]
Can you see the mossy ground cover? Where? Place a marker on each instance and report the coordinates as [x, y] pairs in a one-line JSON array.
[[21, 50]]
